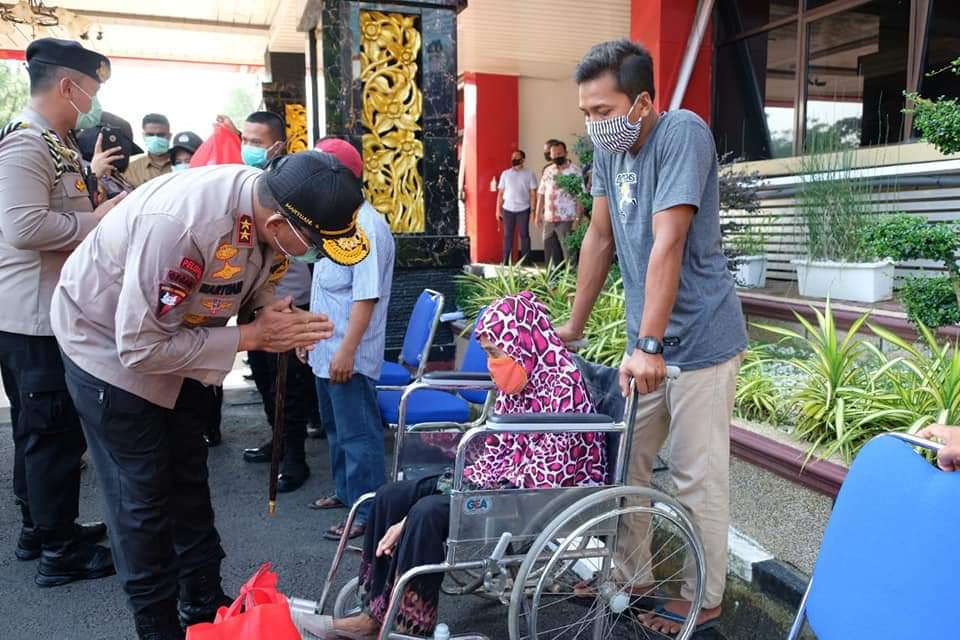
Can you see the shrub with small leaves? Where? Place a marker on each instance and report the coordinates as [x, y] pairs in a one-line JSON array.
[[904, 237], [929, 301], [938, 120]]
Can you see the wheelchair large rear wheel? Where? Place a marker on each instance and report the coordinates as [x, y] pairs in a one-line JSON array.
[[661, 561]]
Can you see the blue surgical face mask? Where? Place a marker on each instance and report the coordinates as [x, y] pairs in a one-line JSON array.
[[156, 145], [311, 256], [254, 156], [91, 118], [181, 166]]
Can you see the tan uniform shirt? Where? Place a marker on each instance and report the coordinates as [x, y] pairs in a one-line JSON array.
[[143, 168], [45, 211], [143, 303]]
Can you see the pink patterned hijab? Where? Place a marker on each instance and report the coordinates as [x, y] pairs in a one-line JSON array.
[[520, 326]]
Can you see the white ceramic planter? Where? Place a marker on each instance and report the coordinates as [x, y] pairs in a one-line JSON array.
[[856, 281], [751, 271]]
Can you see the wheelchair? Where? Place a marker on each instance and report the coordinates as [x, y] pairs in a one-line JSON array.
[[558, 558]]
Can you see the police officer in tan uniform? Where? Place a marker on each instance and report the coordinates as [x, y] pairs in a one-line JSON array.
[[46, 209], [141, 312]]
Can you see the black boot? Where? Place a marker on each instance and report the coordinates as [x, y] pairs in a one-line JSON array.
[[294, 470], [29, 547], [200, 596], [263, 453], [159, 628], [66, 562]]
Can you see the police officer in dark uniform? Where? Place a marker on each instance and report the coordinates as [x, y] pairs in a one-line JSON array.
[[46, 209]]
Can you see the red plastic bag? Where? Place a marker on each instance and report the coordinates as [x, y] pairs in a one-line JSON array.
[[259, 613], [223, 147]]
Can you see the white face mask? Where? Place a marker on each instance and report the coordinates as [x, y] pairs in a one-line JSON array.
[[616, 134]]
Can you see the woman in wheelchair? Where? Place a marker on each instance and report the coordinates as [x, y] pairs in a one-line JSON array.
[[534, 373]]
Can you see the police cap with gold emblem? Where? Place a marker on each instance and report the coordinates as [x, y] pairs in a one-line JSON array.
[[70, 54], [322, 197]]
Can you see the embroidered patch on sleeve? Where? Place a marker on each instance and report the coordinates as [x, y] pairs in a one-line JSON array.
[[216, 305], [185, 280], [192, 266], [170, 296], [196, 320], [226, 252], [245, 231]]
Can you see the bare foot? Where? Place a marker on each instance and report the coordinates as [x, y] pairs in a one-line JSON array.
[[361, 625], [680, 608]]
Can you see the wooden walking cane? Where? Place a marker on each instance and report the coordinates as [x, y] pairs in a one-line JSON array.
[[277, 451]]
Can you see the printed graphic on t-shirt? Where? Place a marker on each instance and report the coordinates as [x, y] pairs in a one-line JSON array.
[[626, 188]]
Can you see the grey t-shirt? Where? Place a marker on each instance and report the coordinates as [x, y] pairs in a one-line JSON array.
[[676, 166]]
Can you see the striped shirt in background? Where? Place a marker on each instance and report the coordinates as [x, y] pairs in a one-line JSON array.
[[336, 287]]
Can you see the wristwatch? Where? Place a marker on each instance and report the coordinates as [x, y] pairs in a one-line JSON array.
[[649, 344]]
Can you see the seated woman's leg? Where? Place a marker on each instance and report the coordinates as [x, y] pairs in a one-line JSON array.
[[424, 533], [391, 505]]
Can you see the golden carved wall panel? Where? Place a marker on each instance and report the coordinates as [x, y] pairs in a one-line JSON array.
[[392, 109], [296, 118]]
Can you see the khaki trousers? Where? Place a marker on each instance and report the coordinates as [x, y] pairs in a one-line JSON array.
[[696, 409]]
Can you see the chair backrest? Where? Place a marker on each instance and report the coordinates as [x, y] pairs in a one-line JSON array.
[[475, 360], [888, 567], [421, 329]]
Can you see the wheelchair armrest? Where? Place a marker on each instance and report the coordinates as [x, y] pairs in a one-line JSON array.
[[550, 418], [465, 376]]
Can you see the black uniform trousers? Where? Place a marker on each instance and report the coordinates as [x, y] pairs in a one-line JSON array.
[[48, 441], [152, 467]]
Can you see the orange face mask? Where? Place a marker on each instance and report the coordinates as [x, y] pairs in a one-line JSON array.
[[508, 374]]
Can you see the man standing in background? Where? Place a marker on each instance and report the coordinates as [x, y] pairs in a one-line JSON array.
[[263, 140], [556, 208], [516, 196], [156, 161], [46, 210]]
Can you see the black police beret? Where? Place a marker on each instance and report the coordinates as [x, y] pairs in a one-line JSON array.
[[70, 54]]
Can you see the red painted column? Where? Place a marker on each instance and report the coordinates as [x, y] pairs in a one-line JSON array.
[[663, 27], [491, 131]]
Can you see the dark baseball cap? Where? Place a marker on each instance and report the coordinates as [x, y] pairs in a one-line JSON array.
[[322, 197], [186, 140]]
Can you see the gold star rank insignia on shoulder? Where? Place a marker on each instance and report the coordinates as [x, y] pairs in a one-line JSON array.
[[245, 231]]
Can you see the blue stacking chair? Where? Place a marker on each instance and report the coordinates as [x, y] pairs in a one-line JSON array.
[[888, 567], [431, 405], [417, 341]]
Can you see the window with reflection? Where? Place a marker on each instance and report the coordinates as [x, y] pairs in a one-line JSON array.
[[943, 46], [756, 80], [738, 16], [856, 74]]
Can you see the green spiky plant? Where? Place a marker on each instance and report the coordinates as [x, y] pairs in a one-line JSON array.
[[839, 404]]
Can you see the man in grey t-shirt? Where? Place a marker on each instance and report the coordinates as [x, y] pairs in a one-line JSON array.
[[656, 204]]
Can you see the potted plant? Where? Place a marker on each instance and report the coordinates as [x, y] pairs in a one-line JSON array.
[[746, 253], [744, 237], [834, 211]]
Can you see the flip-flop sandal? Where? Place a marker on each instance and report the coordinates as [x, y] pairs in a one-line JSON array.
[[328, 502], [336, 532], [665, 614]]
